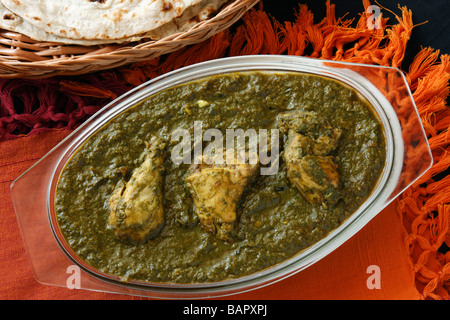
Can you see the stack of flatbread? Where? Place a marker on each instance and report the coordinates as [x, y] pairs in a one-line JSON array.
[[93, 22]]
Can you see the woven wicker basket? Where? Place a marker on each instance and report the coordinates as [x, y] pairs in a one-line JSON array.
[[22, 57]]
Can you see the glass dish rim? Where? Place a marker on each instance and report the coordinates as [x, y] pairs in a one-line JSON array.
[[218, 63]]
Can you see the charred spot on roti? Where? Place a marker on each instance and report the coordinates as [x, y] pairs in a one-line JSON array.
[[195, 19], [98, 1], [179, 11], [167, 6], [75, 31], [9, 17], [118, 15]]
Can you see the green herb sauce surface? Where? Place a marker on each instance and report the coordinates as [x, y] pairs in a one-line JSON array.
[[274, 220]]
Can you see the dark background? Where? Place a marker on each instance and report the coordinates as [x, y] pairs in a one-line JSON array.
[[434, 33]]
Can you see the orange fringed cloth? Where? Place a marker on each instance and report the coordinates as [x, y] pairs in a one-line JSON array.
[[408, 240]]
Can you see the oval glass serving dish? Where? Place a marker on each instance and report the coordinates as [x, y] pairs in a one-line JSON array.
[[384, 90]]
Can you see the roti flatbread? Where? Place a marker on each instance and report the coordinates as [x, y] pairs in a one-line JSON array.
[[190, 17], [12, 22], [98, 19]]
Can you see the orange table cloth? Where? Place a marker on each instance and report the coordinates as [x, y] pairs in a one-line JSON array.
[[403, 241]]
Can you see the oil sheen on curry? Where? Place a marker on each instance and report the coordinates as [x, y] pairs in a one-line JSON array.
[[128, 210]]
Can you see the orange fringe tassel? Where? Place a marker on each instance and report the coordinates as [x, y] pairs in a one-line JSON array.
[[425, 206]]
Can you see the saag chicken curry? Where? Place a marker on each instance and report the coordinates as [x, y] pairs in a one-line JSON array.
[[128, 210]]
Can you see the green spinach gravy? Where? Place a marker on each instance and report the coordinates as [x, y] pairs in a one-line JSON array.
[[274, 221]]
